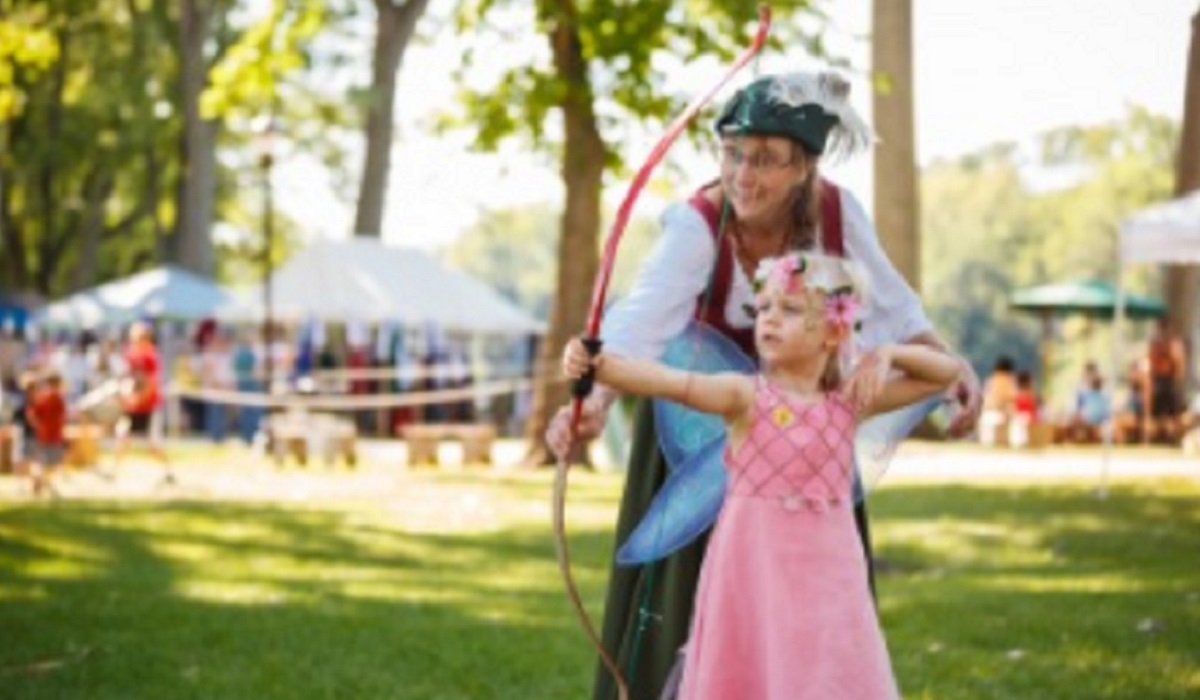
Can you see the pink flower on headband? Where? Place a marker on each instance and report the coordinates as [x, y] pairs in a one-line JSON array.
[[841, 308], [784, 273]]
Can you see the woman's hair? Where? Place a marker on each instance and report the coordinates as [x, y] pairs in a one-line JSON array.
[[806, 205]]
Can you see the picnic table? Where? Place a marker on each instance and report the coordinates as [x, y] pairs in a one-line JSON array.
[[301, 434]]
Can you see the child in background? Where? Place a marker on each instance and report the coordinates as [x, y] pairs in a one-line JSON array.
[[46, 412], [1026, 404], [1092, 411], [783, 609], [1022, 431]]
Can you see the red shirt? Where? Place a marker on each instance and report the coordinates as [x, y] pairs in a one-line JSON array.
[[48, 414], [142, 359], [1026, 404]]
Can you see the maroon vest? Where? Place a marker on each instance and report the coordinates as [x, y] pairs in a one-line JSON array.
[[710, 307]]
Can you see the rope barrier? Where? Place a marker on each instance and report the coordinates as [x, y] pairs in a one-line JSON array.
[[357, 402]]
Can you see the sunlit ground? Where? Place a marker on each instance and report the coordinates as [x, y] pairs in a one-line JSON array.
[[391, 583]]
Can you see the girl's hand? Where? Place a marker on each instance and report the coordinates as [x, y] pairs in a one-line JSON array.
[[576, 360], [868, 379]]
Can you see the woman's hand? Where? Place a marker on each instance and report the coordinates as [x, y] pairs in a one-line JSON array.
[[968, 395], [869, 377], [591, 422], [576, 362]]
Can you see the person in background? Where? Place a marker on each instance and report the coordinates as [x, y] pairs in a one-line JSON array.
[[1026, 416], [999, 396], [247, 379], [1026, 402], [141, 401], [216, 374], [46, 413], [1093, 408], [1166, 363]]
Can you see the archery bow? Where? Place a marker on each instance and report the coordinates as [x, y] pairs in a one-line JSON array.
[[583, 385]]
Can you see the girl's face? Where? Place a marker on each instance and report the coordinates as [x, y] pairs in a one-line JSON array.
[[792, 328], [759, 174]]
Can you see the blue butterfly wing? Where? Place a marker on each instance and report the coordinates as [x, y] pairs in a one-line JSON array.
[[877, 439], [683, 432], [685, 506]]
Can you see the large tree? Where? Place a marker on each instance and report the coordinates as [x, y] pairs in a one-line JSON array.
[[395, 25], [94, 143], [1181, 286], [89, 142], [192, 245], [602, 74], [896, 201]]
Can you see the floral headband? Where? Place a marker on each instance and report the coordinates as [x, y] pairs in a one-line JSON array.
[[795, 272]]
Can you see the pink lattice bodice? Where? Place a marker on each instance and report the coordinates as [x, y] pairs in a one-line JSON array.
[[797, 452]]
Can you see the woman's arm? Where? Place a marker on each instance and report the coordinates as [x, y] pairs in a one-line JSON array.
[[669, 280]]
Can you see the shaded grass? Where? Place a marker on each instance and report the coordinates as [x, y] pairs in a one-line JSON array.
[[987, 592]]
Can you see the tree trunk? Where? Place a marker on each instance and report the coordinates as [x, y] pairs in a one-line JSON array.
[[97, 192], [1180, 287], [896, 197], [4, 235], [578, 250], [50, 198], [394, 28], [12, 240], [193, 247]]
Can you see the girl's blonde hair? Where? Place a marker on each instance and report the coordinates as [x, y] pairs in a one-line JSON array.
[[840, 281]]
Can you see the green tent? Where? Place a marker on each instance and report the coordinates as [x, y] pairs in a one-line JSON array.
[[1092, 298]]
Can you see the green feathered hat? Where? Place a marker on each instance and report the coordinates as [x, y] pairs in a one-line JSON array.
[[812, 109]]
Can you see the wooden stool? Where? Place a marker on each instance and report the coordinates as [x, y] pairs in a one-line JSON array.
[[423, 439]]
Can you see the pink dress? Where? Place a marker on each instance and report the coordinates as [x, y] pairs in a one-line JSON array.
[[783, 607]]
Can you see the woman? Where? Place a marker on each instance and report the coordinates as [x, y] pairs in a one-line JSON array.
[[769, 199]]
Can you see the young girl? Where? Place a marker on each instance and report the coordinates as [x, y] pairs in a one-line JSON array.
[[783, 610]]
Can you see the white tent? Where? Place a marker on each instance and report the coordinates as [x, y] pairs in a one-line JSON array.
[[166, 292], [364, 280], [1166, 233]]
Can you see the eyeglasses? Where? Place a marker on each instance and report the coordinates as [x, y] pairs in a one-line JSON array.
[[760, 161]]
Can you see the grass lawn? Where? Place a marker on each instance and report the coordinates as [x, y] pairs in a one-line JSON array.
[[451, 591]]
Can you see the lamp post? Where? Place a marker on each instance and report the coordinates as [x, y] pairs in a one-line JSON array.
[[266, 161]]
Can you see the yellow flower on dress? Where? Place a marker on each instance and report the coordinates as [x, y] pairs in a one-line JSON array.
[[782, 416]]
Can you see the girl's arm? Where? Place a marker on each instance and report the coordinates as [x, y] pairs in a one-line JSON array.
[[726, 394], [924, 372]]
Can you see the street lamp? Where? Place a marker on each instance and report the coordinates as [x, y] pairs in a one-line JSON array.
[[265, 146]]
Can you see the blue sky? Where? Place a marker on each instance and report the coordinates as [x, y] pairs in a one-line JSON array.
[[985, 72]]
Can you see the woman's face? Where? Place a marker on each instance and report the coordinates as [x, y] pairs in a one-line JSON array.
[[759, 175]]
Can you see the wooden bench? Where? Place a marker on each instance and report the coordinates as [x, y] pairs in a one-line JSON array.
[[8, 456], [423, 440], [83, 444], [302, 435]]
